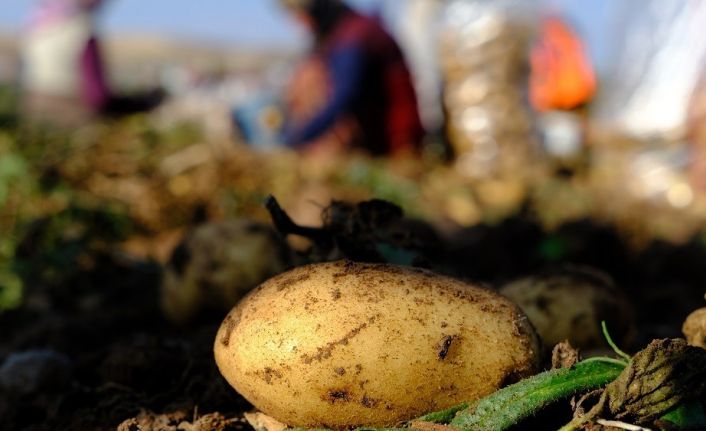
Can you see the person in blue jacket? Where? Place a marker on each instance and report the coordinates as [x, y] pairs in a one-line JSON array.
[[369, 80]]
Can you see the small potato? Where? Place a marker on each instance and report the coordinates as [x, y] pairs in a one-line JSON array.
[[570, 303], [694, 328], [345, 344], [217, 264]]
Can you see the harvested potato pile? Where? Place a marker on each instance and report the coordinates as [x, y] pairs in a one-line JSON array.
[[344, 344]]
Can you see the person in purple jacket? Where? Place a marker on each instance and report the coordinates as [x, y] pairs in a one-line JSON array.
[[63, 74], [369, 81]]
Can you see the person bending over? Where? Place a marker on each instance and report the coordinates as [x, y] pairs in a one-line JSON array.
[[368, 98]]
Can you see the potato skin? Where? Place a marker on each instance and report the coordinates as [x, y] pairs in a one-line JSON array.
[[569, 303], [345, 344], [217, 264], [694, 328]]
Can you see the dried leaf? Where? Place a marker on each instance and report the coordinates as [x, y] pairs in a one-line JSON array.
[[262, 422], [659, 378], [564, 355]]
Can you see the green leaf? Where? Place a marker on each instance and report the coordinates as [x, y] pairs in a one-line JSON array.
[[686, 416], [444, 416], [510, 405]]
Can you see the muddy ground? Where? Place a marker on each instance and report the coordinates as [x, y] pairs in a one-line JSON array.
[[89, 348], [103, 353]]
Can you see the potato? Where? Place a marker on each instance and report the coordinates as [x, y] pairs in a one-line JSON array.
[[569, 304], [217, 264], [694, 328], [345, 344]]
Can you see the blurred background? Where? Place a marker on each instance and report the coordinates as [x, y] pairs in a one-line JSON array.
[[522, 134]]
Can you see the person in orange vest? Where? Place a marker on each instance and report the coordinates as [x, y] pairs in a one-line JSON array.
[[562, 75], [562, 84]]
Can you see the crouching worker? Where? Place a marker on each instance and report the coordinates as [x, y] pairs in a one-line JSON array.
[[354, 90], [63, 75]]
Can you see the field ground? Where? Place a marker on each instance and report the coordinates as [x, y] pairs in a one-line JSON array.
[[88, 218]]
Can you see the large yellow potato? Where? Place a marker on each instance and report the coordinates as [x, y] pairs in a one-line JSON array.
[[344, 344]]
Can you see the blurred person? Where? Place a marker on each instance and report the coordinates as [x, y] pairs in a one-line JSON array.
[[354, 90], [417, 33], [63, 74], [562, 84], [562, 76]]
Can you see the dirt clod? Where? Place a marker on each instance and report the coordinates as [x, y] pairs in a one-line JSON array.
[[564, 356], [178, 421]]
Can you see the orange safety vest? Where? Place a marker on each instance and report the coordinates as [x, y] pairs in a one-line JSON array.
[[562, 76]]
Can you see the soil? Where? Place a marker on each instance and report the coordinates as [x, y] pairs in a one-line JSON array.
[[124, 360], [102, 356]]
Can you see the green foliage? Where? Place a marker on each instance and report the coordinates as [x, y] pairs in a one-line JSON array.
[[611, 343], [16, 184], [53, 221], [690, 416], [509, 406], [444, 416], [8, 106], [553, 248], [13, 174], [373, 177], [10, 290]]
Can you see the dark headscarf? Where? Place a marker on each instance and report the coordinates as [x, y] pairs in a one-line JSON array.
[[326, 14]]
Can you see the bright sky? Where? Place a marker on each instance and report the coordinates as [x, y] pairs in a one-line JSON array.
[[237, 21], [261, 22]]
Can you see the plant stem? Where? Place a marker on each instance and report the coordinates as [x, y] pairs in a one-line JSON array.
[[612, 344], [444, 416], [510, 405]]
